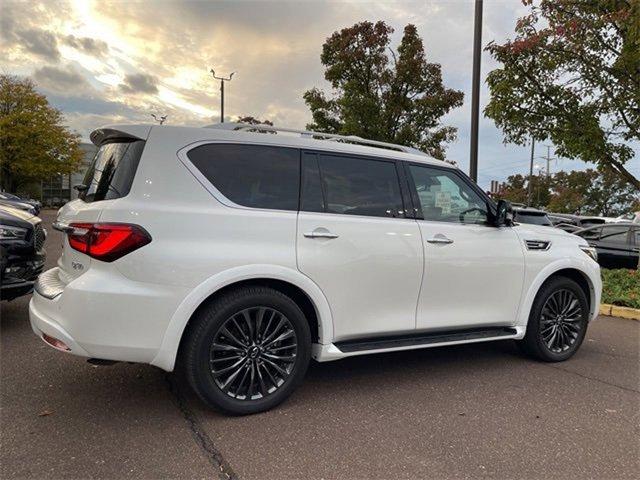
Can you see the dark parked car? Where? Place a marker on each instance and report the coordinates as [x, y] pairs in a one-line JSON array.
[[531, 215], [562, 220], [618, 244], [21, 251], [21, 203]]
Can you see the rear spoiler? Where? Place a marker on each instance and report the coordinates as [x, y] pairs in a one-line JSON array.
[[129, 132]]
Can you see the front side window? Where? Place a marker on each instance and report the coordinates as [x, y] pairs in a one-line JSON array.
[[444, 197], [251, 175], [614, 234], [111, 172], [357, 186]]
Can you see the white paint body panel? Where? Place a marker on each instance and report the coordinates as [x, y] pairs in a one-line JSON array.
[[370, 274], [463, 279], [378, 277]]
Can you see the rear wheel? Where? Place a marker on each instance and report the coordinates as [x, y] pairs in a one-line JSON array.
[[557, 322], [247, 351]]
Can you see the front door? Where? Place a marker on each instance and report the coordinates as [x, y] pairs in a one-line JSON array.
[[473, 271], [355, 243]]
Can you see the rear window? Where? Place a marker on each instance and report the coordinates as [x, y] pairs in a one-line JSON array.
[[111, 172], [251, 175], [533, 219]]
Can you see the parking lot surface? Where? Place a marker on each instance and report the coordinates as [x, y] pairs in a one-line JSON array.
[[471, 411]]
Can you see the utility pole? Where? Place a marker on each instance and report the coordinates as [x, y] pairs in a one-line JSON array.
[[533, 148], [222, 80], [548, 158], [475, 91]]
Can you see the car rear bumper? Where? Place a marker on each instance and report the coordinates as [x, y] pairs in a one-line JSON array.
[[102, 314], [44, 326]]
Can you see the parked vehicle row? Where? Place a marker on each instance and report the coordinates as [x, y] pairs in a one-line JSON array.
[[238, 256], [12, 200], [22, 252], [617, 244]]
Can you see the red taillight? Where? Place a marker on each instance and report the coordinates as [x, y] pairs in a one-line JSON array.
[[107, 241]]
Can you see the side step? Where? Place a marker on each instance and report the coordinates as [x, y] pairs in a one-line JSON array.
[[377, 343]]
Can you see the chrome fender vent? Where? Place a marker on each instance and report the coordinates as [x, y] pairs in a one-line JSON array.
[[537, 244]]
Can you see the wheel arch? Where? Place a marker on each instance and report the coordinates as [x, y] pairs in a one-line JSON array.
[[586, 276], [292, 283]]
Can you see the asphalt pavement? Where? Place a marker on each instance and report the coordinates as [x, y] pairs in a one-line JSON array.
[[475, 411]]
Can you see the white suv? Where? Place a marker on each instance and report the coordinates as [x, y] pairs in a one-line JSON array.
[[235, 255]]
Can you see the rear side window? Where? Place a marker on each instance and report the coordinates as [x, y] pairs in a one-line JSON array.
[[111, 172], [251, 175], [356, 186]]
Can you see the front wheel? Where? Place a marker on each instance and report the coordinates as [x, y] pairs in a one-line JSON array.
[[247, 351], [557, 322]]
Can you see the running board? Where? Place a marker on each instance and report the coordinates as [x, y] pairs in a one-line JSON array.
[[416, 340]]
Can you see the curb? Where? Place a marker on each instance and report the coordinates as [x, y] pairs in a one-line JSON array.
[[622, 312]]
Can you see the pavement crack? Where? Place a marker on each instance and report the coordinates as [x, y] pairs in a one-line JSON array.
[[594, 379], [225, 472]]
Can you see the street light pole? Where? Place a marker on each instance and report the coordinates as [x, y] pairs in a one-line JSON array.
[[533, 147], [222, 80], [475, 91]]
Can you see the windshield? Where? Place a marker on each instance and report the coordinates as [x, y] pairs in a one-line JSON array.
[[112, 170]]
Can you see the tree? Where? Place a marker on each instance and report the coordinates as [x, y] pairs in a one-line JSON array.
[[572, 75], [516, 189], [609, 195], [588, 192], [34, 145], [399, 101], [251, 120]]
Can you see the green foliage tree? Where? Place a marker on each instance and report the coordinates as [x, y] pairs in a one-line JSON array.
[[516, 189], [34, 143], [399, 100], [588, 192], [572, 75]]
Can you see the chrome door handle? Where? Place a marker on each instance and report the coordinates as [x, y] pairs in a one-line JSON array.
[[320, 233], [440, 239]]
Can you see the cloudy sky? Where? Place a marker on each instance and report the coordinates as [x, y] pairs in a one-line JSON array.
[[104, 62]]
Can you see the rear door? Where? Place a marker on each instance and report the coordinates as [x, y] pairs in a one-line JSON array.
[[356, 243], [108, 178]]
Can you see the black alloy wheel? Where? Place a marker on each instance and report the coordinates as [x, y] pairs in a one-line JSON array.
[[557, 321], [253, 353], [247, 350]]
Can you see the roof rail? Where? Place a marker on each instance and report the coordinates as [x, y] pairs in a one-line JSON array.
[[247, 127]]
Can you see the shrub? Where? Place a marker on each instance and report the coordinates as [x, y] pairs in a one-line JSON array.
[[621, 287]]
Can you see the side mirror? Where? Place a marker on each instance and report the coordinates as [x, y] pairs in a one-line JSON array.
[[504, 214]]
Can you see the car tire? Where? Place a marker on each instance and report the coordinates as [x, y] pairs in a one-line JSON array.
[[557, 322], [257, 334]]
